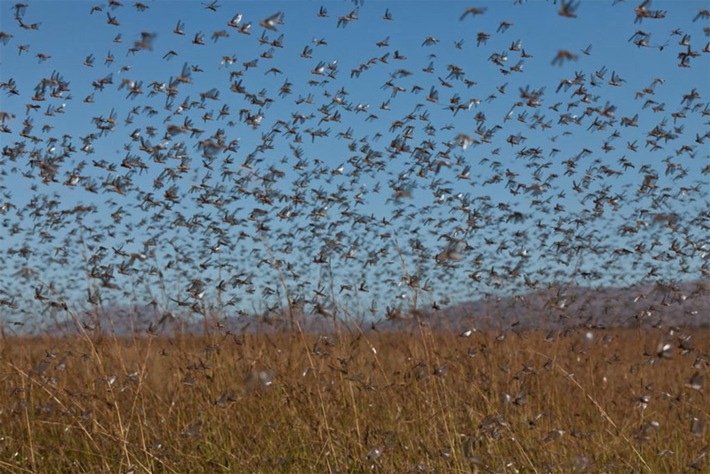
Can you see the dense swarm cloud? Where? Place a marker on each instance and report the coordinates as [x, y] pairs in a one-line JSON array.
[[348, 161]]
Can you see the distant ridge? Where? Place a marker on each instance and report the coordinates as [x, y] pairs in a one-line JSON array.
[[684, 304]]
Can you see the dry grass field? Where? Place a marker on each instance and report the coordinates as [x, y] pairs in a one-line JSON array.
[[419, 401]]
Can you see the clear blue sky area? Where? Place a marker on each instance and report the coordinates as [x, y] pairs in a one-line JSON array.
[[348, 156]]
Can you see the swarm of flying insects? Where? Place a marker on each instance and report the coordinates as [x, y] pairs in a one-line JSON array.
[[354, 236]]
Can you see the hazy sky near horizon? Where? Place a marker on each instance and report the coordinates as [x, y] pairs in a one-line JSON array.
[[491, 148]]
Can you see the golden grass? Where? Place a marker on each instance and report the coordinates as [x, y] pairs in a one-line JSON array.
[[392, 402]]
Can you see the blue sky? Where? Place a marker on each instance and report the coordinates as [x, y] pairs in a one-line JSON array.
[[553, 215]]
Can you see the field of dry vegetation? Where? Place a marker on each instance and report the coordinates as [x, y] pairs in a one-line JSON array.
[[415, 401]]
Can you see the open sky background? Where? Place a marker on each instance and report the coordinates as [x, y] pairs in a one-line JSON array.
[[370, 227]]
